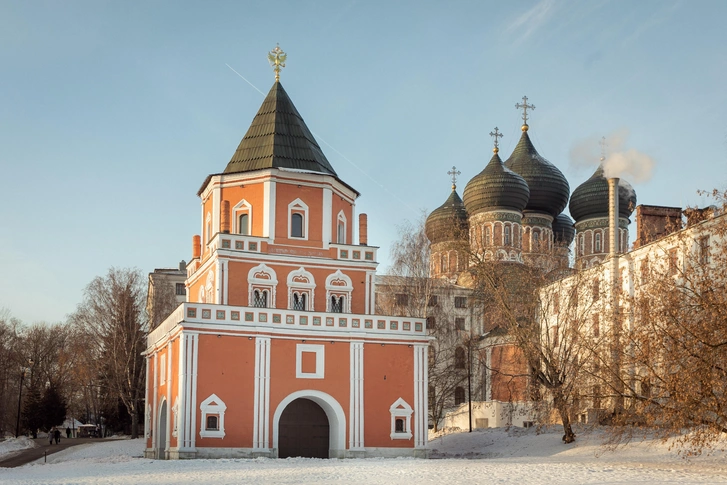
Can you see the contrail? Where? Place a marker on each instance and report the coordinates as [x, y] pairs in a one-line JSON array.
[[339, 153]]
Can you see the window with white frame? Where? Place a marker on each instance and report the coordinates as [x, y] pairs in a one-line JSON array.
[[298, 219], [488, 236], [301, 290], [213, 417], [242, 215], [310, 361], [597, 242], [262, 282], [208, 227], [341, 228], [508, 239], [401, 413], [338, 292]]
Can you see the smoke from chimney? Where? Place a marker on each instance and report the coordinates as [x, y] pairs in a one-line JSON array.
[[620, 162]]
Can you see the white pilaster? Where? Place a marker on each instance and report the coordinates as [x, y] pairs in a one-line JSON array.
[[168, 374], [421, 417], [356, 412], [327, 216], [155, 412], [147, 414], [188, 390], [261, 395], [269, 209]]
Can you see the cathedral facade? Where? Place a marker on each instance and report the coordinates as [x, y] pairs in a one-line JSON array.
[[278, 351]]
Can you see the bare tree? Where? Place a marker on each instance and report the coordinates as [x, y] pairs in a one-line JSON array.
[[112, 320]]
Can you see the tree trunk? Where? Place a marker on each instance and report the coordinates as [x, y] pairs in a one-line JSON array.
[[134, 423], [568, 435]]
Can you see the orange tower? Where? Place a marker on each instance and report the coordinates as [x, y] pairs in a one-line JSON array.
[[277, 351]]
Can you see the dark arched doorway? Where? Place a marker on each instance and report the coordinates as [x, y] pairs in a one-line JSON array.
[[303, 430], [162, 433]]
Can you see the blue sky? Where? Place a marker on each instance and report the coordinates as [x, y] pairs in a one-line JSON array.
[[113, 113]]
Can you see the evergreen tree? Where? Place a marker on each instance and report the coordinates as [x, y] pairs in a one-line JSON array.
[[53, 407], [32, 415]]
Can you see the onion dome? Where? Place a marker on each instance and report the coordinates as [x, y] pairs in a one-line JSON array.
[[496, 187], [564, 230], [447, 222], [590, 199], [549, 188]]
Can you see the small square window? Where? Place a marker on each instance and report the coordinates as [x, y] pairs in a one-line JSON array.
[[225, 244], [180, 290], [206, 313], [212, 422], [431, 323], [252, 246], [369, 256], [304, 320], [344, 254], [235, 315], [191, 313], [277, 318], [460, 302], [220, 315], [433, 301], [357, 255], [369, 323], [239, 245], [316, 321]]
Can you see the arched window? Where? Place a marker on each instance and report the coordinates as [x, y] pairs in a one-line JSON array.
[[341, 233], [243, 224], [536, 240], [597, 243], [459, 358], [260, 299], [299, 301], [488, 236], [458, 395], [296, 225], [508, 237], [581, 245], [443, 263], [337, 305]]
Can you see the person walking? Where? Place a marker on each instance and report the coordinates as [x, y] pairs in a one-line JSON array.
[[68, 432], [58, 436], [51, 434]]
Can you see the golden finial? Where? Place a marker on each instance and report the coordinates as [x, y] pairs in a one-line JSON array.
[[277, 57], [496, 134], [454, 172], [603, 144], [525, 106]]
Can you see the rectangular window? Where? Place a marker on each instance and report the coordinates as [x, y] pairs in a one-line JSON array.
[[180, 290], [433, 301], [401, 299], [704, 250], [212, 423], [296, 225], [460, 302], [431, 323], [459, 323]]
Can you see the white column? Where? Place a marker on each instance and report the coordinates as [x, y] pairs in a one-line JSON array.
[[168, 374], [261, 395], [155, 411], [188, 390], [147, 414], [421, 418], [182, 412], [356, 412], [269, 209], [327, 216]]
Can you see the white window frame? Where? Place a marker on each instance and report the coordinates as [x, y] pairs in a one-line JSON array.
[[255, 281], [339, 290], [242, 207], [401, 409], [297, 284], [341, 238], [213, 405], [319, 350], [298, 206]]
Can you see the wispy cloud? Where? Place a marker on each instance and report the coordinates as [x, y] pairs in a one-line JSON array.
[[527, 23]]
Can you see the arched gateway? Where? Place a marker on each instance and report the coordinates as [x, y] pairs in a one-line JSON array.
[[303, 430]]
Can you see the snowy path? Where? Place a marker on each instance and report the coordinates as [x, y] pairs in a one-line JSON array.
[[519, 458]]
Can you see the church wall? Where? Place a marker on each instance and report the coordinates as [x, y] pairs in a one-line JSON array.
[[253, 194], [388, 376], [283, 371], [227, 368], [285, 193], [347, 208]]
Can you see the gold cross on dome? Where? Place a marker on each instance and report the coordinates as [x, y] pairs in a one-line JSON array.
[[603, 144], [453, 173], [277, 57], [525, 106], [496, 134]]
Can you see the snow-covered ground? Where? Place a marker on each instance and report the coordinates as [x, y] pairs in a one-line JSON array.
[[494, 456], [11, 445]]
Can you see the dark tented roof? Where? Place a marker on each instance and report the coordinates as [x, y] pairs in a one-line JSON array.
[[278, 138]]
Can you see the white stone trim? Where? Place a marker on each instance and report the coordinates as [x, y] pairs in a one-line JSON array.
[[261, 395], [242, 207], [345, 289], [147, 414], [421, 391], [401, 409], [308, 287], [327, 235], [255, 281], [155, 417], [333, 410], [215, 406], [320, 352], [356, 413], [298, 206], [341, 218]]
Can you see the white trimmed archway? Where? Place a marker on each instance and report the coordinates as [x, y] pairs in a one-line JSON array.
[[333, 410]]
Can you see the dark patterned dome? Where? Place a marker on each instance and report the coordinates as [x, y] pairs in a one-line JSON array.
[[564, 230], [447, 222], [496, 187], [590, 199], [549, 188]]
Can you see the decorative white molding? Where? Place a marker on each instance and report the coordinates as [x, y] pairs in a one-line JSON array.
[[356, 412], [262, 277], [327, 217], [342, 230], [421, 391], [298, 280], [339, 284], [319, 351], [261, 395], [402, 410], [298, 206], [242, 207], [213, 406]]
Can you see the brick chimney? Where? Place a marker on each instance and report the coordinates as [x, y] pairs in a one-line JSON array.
[[653, 222]]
